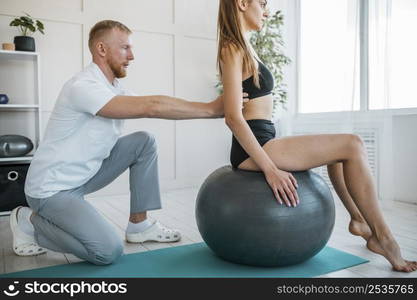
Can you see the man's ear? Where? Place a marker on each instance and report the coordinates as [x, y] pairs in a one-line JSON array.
[[101, 49], [242, 5]]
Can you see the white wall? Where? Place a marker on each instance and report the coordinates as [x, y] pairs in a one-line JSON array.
[[404, 156]]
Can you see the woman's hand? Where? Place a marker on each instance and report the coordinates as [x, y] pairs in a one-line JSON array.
[[284, 186]]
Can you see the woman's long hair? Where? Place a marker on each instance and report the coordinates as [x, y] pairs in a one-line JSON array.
[[229, 33]]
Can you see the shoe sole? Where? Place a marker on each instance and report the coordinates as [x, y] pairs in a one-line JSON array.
[[13, 226], [134, 240]]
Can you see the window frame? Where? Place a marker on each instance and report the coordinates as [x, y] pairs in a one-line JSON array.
[[363, 76]]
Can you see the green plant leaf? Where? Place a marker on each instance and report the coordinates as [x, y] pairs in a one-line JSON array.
[[15, 22], [27, 20], [39, 24], [27, 25]]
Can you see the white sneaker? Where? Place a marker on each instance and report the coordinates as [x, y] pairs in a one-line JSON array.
[[156, 232], [23, 244]]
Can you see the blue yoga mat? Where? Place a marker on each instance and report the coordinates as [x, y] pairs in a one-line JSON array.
[[195, 260]]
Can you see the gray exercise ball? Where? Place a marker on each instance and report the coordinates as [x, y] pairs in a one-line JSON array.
[[241, 221]]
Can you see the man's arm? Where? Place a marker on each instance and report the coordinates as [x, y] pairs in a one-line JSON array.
[[163, 107]]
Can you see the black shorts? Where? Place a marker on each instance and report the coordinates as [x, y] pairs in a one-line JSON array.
[[264, 130]]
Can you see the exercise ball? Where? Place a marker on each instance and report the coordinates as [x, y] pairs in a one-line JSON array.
[[241, 221]]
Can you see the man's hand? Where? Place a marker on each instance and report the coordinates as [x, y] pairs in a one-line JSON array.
[[217, 105]]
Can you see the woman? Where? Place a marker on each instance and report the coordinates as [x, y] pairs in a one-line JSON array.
[[255, 148]]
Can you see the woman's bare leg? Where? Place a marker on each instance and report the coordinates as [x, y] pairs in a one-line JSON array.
[[305, 152], [357, 225]]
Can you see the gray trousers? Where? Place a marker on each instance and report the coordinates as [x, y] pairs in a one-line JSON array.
[[66, 222]]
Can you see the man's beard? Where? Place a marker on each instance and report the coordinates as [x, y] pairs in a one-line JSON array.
[[118, 70]]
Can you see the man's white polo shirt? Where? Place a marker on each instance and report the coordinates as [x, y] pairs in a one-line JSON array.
[[76, 141]]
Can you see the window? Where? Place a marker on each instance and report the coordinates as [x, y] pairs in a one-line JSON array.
[[329, 58], [392, 54], [329, 64]]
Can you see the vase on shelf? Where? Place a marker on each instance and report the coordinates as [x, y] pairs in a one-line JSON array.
[[24, 43], [4, 99]]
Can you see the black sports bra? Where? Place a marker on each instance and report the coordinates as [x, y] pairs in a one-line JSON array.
[[266, 83]]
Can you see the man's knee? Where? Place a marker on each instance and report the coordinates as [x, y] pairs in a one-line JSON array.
[[147, 138], [108, 254]]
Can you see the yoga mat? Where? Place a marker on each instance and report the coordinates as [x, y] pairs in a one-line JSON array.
[[195, 260]]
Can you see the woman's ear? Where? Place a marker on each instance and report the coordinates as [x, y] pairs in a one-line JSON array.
[[242, 5]]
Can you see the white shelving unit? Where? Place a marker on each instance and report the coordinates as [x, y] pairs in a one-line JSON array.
[[20, 81], [17, 106], [10, 60], [16, 159]]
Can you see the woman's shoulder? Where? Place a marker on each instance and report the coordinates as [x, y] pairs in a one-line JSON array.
[[230, 51]]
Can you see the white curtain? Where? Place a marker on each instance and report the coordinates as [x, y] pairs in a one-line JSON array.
[[379, 53], [352, 69], [393, 49], [353, 39]]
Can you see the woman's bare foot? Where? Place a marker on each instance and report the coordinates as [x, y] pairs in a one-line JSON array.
[[389, 248], [360, 228], [373, 245]]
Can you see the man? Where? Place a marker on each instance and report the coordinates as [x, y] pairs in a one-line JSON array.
[[82, 152]]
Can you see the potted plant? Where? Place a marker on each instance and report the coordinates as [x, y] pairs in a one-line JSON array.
[[27, 27]]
